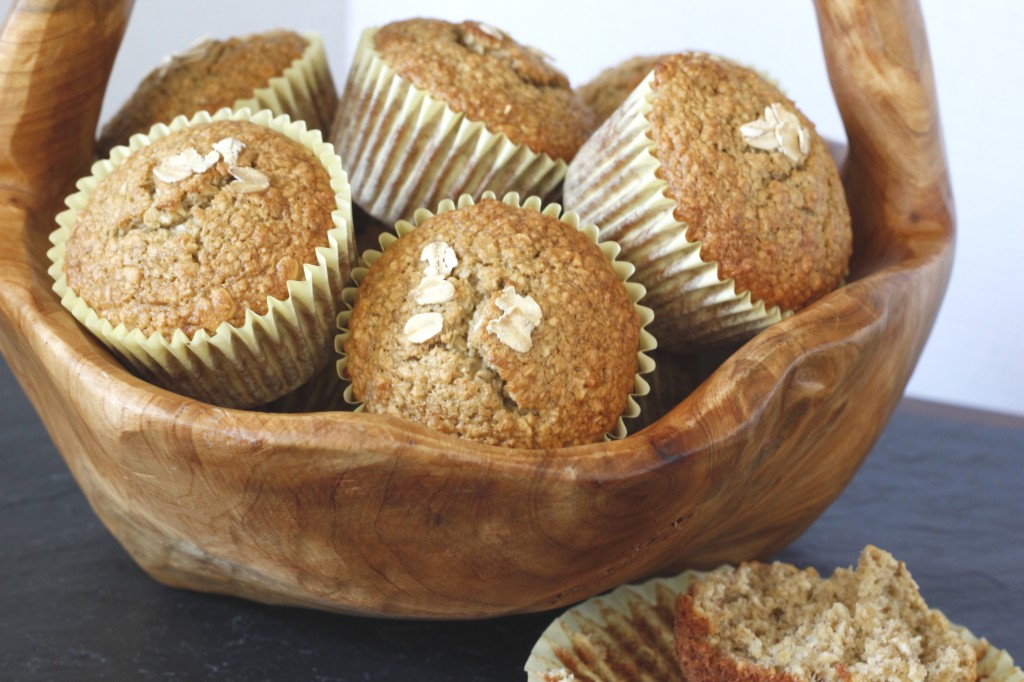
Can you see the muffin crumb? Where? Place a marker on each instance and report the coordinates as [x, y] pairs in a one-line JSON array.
[[776, 622]]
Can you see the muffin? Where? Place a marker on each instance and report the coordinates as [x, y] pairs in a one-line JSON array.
[[721, 194], [609, 89], [212, 255], [277, 70], [498, 322], [775, 622], [629, 634], [433, 109]]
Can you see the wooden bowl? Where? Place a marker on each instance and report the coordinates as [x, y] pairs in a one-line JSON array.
[[369, 514]]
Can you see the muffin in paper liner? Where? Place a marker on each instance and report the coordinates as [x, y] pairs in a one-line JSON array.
[[623, 269], [628, 635], [614, 182], [406, 149], [305, 91], [269, 354]]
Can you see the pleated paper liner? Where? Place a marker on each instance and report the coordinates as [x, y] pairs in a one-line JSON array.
[[609, 249], [614, 183], [405, 149], [324, 392], [305, 91], [994, 664], [628, 635], [270, 354]]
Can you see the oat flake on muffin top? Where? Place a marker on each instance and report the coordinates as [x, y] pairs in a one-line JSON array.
[[482, 72], [198, 227], [534, 345], [777, 223]]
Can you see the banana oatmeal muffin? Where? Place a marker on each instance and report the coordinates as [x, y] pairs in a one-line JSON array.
[[723, 196], [164, 245], [497, 323], [434, 109], [223, 245], [214, 74], [481, 71], [776, 623]]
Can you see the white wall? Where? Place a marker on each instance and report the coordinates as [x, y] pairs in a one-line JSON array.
[[974, 356]]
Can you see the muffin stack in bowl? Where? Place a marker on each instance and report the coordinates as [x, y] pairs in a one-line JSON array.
[[214, 250]]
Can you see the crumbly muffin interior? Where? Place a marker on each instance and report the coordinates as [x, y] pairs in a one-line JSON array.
[[870, 622], [192, 253], [211, 75], [482, 72], [569, 387]]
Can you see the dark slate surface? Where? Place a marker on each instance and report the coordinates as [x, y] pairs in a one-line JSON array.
[[941, 491]]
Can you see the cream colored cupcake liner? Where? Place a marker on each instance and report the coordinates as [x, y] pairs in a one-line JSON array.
[[407, 150], [305, 91], [614, 183], [628, 635], [994, 664], [610, 249], [269, 354]]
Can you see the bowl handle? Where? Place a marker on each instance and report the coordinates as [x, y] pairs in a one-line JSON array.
[[896, 176], [55, 59]]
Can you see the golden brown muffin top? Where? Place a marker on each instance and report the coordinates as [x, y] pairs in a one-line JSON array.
[[211, 75], [780, 227], [480, 71], [609, 89], [159, 253], [569, 387]]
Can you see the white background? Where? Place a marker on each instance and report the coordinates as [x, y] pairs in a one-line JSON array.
[[974, 355]]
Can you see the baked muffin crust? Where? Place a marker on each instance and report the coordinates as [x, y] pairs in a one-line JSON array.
[[212, 75], [569, 387], [781, 229], [480, 71], [609, 89], [192, 253]]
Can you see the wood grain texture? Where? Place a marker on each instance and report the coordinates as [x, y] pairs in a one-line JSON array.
[[369, 514]]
